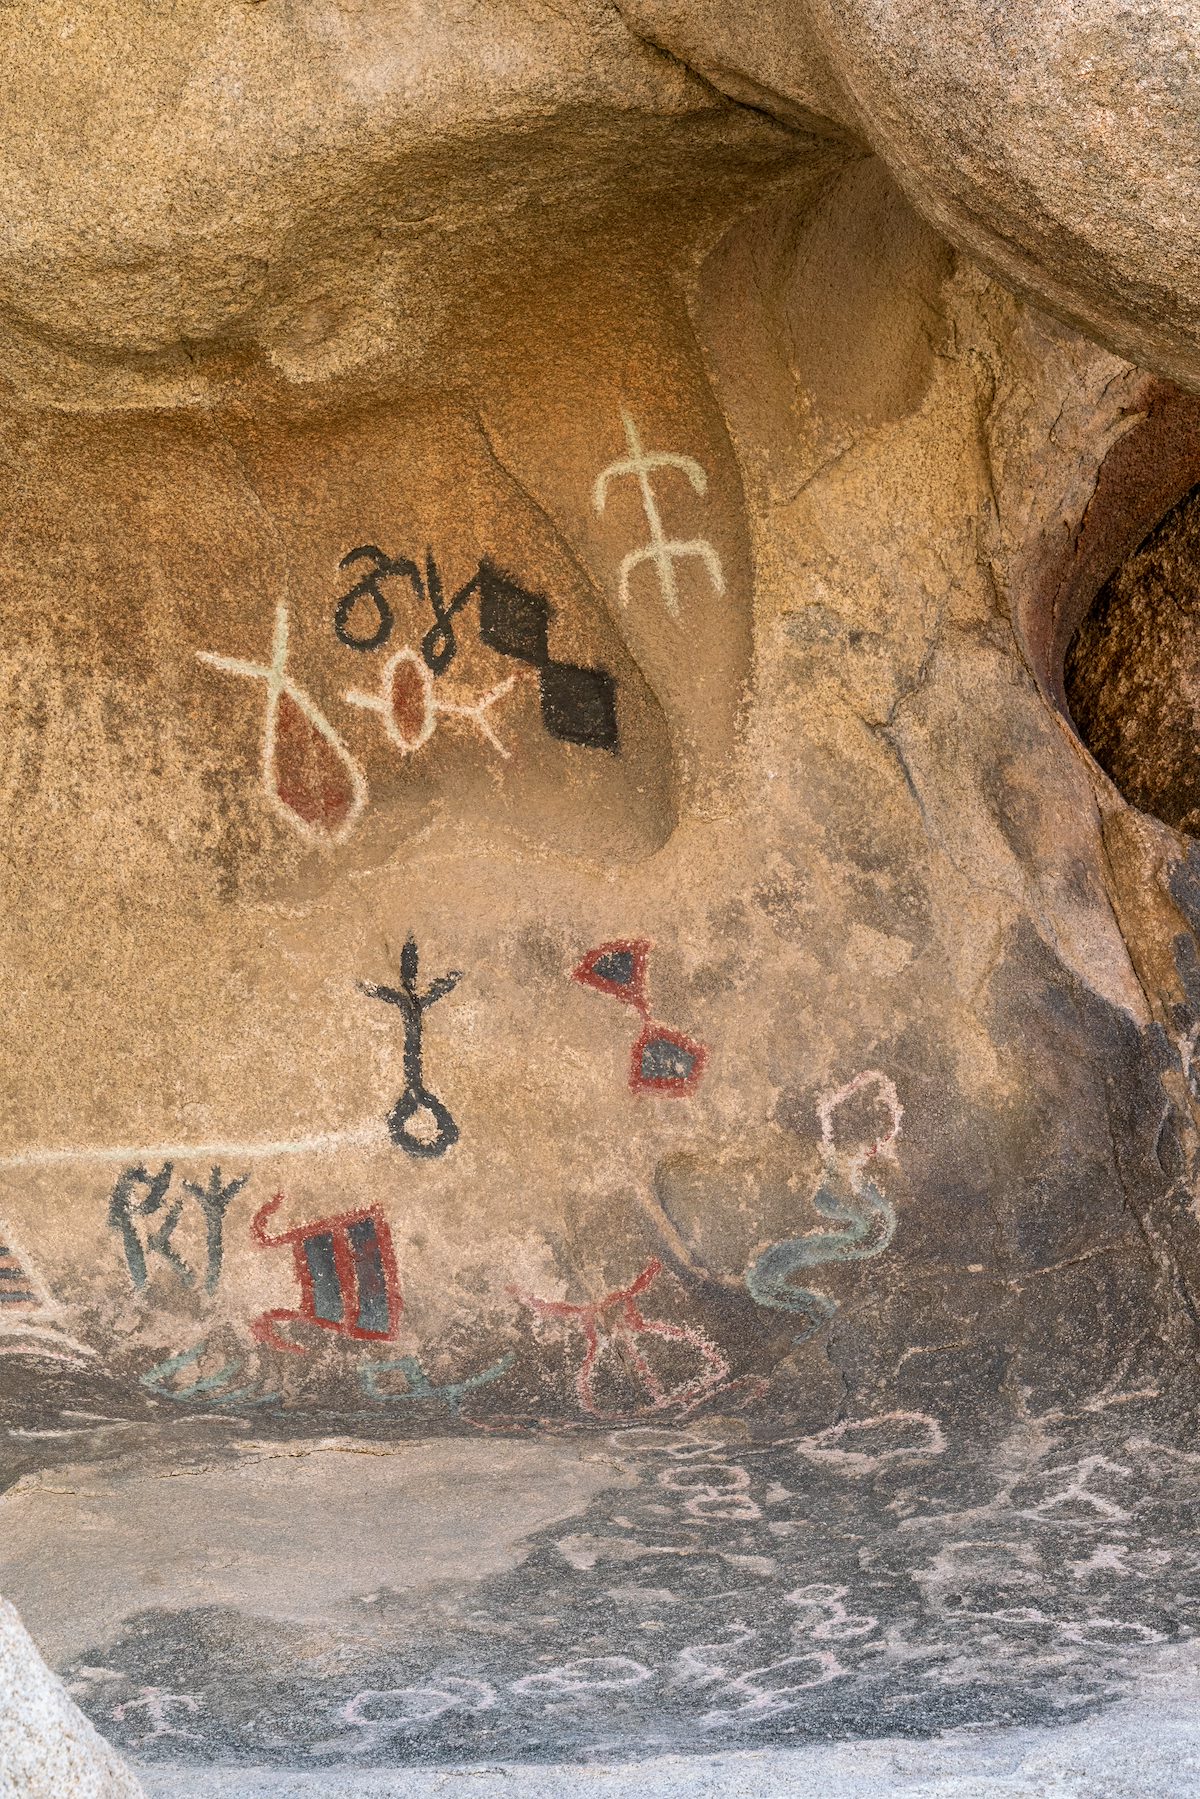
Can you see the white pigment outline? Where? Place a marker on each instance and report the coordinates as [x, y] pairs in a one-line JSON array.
[[454, 1693], [361, 1136], [854, 1462], [381, 703], [830, 1103], [21, 1336], [277, 685], [663, 551], [155, 1702]]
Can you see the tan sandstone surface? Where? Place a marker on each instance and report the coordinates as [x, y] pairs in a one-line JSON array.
[[596, 716]]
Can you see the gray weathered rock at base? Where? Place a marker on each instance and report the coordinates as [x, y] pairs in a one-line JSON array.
[[48, 1749], [1055, 140]]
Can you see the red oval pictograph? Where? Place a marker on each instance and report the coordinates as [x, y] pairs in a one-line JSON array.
[[410, 701], [311, 777], [308, 774]]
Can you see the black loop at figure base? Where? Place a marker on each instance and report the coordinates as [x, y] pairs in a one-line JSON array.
[[412, 1101]]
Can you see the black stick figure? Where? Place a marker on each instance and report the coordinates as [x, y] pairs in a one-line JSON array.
[[124, 1210], [416, 1096], [215, 1198], [122, 1213]]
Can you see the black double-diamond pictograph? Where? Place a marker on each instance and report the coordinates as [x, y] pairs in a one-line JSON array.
[[579, 705]]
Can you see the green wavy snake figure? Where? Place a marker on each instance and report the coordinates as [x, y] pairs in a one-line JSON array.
[[865, 1220]]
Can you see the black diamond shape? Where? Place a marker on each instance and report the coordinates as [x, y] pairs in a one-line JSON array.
[[666, 1061], [512, 620], [579, 705], [616, 967]]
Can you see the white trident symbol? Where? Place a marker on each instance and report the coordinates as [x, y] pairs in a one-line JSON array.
[[663, 551]]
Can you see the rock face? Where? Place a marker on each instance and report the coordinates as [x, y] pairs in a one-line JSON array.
[[48, 1750], [1057, 141], [596, 729], [550, 879], [322, 187]]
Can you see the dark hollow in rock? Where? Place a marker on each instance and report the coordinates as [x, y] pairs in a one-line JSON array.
[[1132, 676]]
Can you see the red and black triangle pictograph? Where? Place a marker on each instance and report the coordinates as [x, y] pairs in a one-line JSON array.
[[665, 1061], [618, 969]]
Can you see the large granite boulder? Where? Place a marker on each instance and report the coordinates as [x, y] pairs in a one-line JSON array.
[[597, 741], [48, 1749]]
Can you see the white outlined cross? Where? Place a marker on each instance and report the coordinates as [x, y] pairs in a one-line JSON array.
[[325, 816]]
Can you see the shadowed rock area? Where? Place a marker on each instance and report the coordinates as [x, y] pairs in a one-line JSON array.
[[656, 1591], [1131, 670]]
